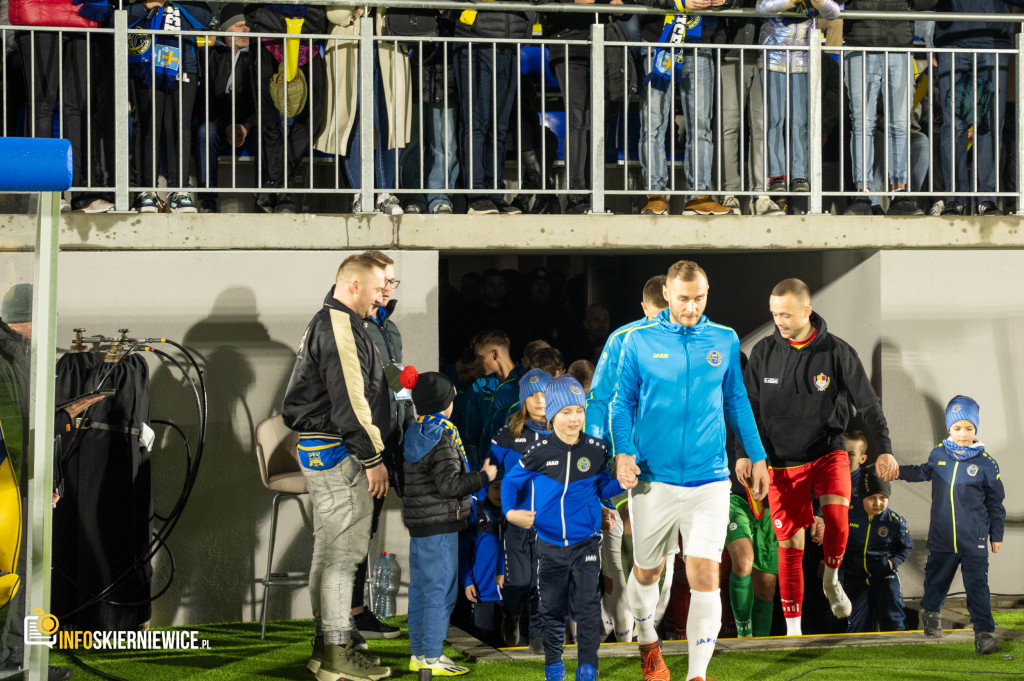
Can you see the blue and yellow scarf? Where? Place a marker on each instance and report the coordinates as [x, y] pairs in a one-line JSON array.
[[449, 428]]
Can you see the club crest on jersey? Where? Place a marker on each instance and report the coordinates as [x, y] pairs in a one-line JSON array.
[[821, 382], [883, 531], [715, 358], [583, 465], [972, 470]]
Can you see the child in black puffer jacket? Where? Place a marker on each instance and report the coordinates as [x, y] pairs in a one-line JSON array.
[[438, 483]]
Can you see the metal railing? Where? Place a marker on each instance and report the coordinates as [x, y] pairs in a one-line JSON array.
[[115, 133]]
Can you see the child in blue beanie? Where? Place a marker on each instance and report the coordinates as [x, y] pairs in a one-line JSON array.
[[967, 513], [568, 471], [527, 426]]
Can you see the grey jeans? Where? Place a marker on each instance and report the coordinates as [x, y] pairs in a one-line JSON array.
[[342, 512], [734, 131]]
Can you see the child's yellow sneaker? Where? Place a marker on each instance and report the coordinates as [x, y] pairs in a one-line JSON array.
[[442, 666]]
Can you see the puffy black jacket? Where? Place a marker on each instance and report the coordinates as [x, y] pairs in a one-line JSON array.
[[323, 401], [876, 33], [802, 398], [437, 485], [474, 23]]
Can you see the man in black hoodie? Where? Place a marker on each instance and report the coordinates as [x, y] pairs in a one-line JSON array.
[[802, 381]]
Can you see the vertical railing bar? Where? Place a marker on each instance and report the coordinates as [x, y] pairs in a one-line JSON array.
[[121, 110], [365, 141], [495, 161], [597, 128], [814, 122], [974, 104]]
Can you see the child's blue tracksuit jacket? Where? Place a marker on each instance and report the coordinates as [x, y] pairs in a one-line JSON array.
[[569, 482], [873, 542], [481, 552], [967, 499]]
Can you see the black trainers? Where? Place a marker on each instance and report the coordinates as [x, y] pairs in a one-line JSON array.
[[989, 208], [985, 643], [779, 184], [508, 208], [902, 204], [537, 645], [799, 184], [931, 622], [577, 205], [510, 631], [371, 627], [285, 204], [860, 205], [482, 207], [953, 208]]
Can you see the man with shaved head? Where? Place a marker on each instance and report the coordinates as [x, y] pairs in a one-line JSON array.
[[337, 400], [802, 382]]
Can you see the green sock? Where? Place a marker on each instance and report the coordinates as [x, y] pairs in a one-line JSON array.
[[627, 555], [741, 593], [763, 611]]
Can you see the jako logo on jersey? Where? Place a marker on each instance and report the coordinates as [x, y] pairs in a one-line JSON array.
[[821, 382], [972, 470], [883, 531], [771, 381], [715, 358], [590, 559], [661, 355], [553, 463], [583, 464], [778, 523], [520, 439]]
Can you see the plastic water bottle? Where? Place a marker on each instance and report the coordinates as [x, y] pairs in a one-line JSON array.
[[393, 585], [380, 586]]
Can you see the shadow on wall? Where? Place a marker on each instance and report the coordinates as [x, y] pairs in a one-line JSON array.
[[216, 542]]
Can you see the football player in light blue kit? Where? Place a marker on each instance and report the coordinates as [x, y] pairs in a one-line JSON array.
[[680, 382]]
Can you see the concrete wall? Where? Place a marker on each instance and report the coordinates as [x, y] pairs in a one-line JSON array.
[[951, 324], [244, 312]]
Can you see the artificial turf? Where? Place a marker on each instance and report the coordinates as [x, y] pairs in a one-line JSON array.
[[236, 652]]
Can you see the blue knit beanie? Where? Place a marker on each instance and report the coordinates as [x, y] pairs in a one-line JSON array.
[[962, 408], [533, 381], [561, 393]]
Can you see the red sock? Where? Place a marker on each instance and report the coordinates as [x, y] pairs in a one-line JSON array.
[[837, 531], [791, 580]]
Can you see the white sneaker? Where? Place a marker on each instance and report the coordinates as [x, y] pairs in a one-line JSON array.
[[733, 204], [389, 204], [937, 208], [837, 599], [65, 207], [98, 206], [765, 206], [443, 667]]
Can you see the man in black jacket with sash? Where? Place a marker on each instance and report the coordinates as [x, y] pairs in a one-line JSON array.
[[337, 401]]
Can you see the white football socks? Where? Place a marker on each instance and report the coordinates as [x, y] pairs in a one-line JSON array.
[[702, 625], [642, 601]]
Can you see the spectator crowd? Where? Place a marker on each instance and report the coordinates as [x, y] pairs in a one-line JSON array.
[[920, 126]]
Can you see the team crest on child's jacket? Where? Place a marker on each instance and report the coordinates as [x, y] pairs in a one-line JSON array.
[[821, 382], [714, 358], [972, 470], [583, 464], [883, 531]]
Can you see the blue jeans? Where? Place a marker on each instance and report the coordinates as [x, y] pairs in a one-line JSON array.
[[493, 77], [433, 585], [697, 96], [775, 84], [958, 180], [920, 161], [342, 514], [211, 143], [865, 76], [384, 160], [439, 139]]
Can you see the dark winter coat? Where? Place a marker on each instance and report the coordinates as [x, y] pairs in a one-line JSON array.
[[437, 482], [877, 33]]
